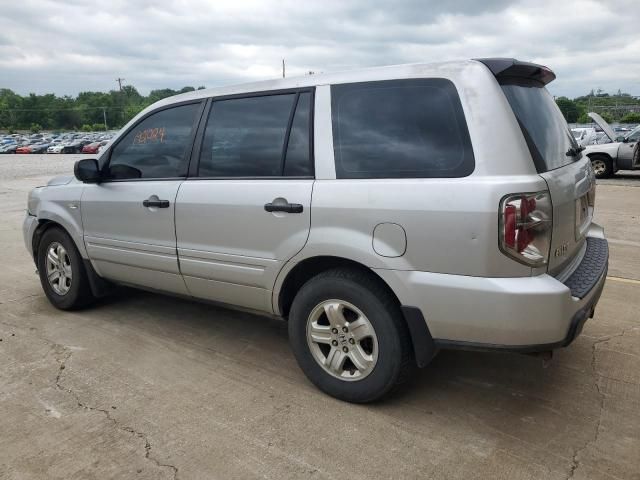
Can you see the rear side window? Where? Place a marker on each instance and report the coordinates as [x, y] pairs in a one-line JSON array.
[[412, 128], [156, 147], [248, 137], [545, 130]]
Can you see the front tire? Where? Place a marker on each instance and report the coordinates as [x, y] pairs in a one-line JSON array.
[[61, 270], [349, 337], [602, 166]]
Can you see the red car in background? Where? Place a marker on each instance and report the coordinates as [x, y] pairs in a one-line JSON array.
[[24, 149], [91, 148]]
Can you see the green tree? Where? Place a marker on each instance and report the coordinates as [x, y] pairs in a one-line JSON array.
[[569, 109], [631, 117], [584, 118], [607, 117]]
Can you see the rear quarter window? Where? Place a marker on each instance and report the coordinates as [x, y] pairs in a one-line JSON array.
[[412, 128], [544, 128]]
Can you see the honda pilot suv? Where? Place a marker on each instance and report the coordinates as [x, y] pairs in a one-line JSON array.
[[386, 213]]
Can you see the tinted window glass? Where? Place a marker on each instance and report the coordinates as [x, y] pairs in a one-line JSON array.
[[245, 137], [156, 147], [298, 159], [400, 128], [634, 134], [542, 124]]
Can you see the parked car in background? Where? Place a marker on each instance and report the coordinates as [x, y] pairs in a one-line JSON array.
[[92, 147], [9, 148], [584, 135], [56, 148], [24, 149], [68, 142], [395, 255], [608, 158], [39, 148]]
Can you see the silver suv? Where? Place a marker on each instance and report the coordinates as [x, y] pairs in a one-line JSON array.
[[386, 213]]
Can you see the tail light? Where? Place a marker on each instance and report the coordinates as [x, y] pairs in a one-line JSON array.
[[525, 227]]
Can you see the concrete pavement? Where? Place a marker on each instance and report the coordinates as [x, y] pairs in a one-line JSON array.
[[146, 386]]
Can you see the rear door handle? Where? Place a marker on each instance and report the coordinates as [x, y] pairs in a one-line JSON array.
[[283, 207], [156, 203]]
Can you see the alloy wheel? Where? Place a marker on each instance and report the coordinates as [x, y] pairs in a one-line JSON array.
[[59, 273], [342, 340]]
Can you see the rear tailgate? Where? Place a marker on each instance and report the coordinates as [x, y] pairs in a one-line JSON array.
[[558, 159], [569, 188]]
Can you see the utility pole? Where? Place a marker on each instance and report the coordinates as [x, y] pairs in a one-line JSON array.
[[120, 80], [283, 68], [104, 116]]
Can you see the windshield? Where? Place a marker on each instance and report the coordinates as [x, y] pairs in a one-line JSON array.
[[634, 134], [544, 128]]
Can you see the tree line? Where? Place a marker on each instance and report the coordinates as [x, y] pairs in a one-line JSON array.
[[94, 110], [86, 111], [619, 107]]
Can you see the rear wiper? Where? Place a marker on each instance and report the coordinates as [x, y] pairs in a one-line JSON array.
[[574, 151]]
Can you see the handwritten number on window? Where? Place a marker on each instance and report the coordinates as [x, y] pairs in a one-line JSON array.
[[150, 135]]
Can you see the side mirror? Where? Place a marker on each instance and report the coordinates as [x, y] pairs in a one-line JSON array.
[[87, 170], [621, 139]]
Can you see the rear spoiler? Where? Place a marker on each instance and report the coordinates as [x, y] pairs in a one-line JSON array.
[[505, 68]]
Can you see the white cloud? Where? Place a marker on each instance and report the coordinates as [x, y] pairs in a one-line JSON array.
[[69, 46]]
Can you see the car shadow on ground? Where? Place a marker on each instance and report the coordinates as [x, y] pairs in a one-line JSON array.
[[452, 380]]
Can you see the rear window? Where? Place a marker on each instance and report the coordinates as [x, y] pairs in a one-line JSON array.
[[400, 129], [544, 128]]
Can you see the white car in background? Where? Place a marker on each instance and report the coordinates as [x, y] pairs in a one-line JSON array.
[[608, 158], [55, 148], [584, 135]]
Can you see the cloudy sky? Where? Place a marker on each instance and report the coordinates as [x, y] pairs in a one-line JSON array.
[[68, 46]]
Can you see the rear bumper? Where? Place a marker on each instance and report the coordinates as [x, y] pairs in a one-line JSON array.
[[524, 314]]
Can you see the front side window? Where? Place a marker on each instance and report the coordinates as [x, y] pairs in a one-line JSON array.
[[259, 136], [156, 147], [409, 128]]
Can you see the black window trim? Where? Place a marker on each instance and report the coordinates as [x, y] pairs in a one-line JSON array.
[[188, 153], [199, 139]]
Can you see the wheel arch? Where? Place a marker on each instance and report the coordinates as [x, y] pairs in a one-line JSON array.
[[99, 286], [45, 224], [604, 156], [304, 270], [422, 342]]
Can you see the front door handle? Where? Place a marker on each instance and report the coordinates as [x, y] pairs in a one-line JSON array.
[[156, 203], [283, 207]]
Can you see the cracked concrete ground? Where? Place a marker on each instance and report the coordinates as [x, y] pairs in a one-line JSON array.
[[145, 386]]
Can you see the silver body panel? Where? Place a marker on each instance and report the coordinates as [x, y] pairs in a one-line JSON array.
[[230, 248], [128, 242], [217, 242]]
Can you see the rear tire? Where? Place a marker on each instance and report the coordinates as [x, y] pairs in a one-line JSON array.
[[61, 270], [349, 336], [602, 166]]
